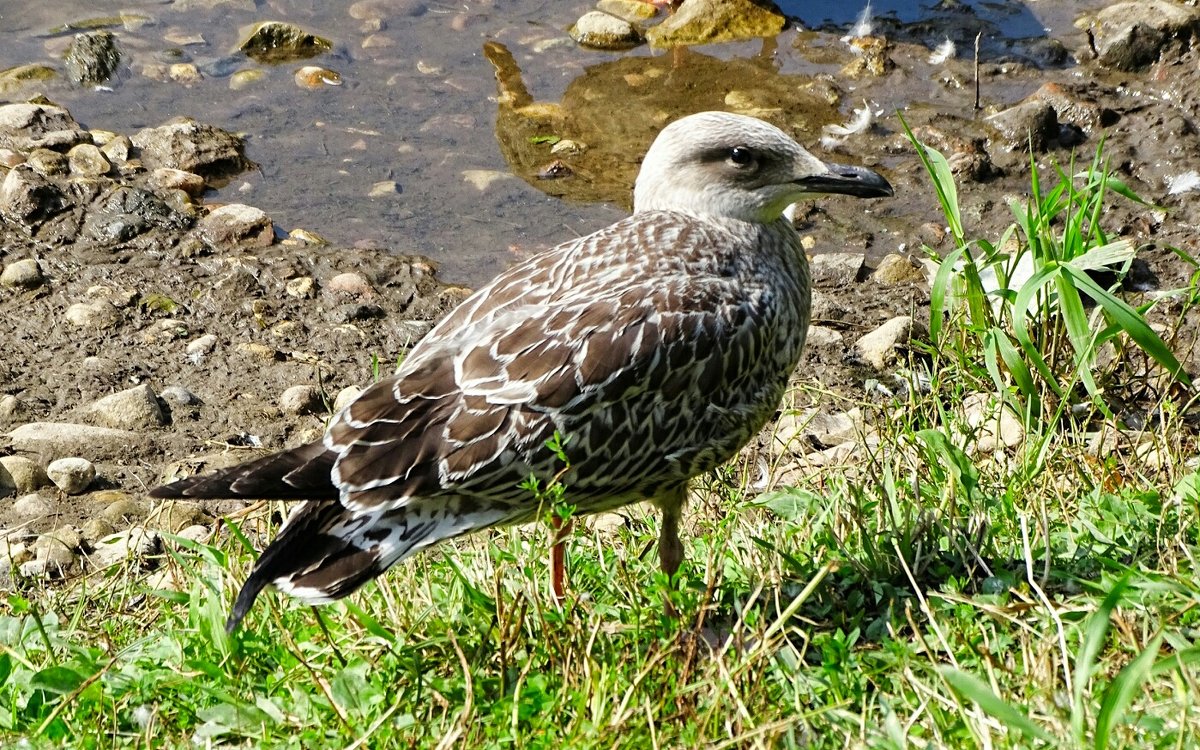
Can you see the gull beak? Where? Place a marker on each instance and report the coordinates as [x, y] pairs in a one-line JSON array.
[[844, 179]]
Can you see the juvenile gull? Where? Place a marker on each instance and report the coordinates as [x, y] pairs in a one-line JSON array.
[[656, 347]]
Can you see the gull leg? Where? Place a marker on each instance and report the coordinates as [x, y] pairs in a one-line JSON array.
[[558, 563], [670, 549]]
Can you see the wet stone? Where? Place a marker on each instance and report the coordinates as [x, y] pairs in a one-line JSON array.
[[127, 212], [117, 150], [714, 21], [300, 288], [72, 475], [630, 10], [276, 42], [29, 198], [1131, 35], [246, 78], [237, 225], [1032, 123], [315, 77], [16, 78], [47, 163], [93, 57], [88, 161], [166, 178], [186, 144], [22, 274], [605, 32]]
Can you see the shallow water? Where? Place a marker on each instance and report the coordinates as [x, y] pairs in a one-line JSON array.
[[417, 105]]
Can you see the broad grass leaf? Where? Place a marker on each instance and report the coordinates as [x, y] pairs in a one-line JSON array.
[[976, 690]]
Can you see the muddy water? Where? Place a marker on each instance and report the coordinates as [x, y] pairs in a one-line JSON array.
[[417, 105]]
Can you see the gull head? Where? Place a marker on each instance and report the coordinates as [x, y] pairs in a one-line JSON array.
[[736, 167]]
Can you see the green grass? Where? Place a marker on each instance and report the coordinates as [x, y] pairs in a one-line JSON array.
[[925, 594]]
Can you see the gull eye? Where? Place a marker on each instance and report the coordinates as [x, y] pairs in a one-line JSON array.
[[740, 156]]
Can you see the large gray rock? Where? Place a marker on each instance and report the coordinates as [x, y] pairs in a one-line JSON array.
[[603, 31], [134, 408], [28, 198], [1131, 35], [237, 225], [191, 146], [26, 126], [53, 440], [878, 348], [72, 475]]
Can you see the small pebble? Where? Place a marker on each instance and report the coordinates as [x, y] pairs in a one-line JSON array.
[[314, 77], [201, 346], [87, 160], [351, 283], [300, 288]]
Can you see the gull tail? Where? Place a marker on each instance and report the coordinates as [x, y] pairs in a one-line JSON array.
[[304, 473], [326, 551]]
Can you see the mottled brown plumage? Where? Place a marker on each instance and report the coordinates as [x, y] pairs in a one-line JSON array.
[[657, 347]]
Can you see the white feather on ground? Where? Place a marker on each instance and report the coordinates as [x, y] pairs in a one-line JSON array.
[[1183, 183], [863, 26], [942, 53], [835, 135]]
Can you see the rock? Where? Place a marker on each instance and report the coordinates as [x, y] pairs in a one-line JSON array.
[[316, 77], [16, 78], [838, 270], [631, 10], [125, 212], [11, 407], [133, 544], [117, 150], [134, 408], [803, 432], [29, 198], [1074, 105], [174, 515], [384, 189], [992, 425], [71, 475], [605, 32], [12, 555], [202, 346], [198, 533], [54, 554], [300, 288], [166, 178], [184, 73], [21, 475], [1130, 35], [276, 42], [896, 270], [345, 397], [300, 399], [87, 161], [877, 349], [48, 163], [29, 508], [1031, 123], [122, 509], [870, 58], [52, 440], [246, 78], [823, 336], [94, 529], [24, 274], [351, 283], [190, 146], [237, 225], [96, 314], [177, 395], [26, 126], [713, 21], [93, 57]]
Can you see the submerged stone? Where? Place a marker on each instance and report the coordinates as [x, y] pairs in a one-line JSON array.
[[93, 57], [277, 42]]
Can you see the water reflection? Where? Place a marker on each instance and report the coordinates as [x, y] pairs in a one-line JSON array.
[[611, 112]]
